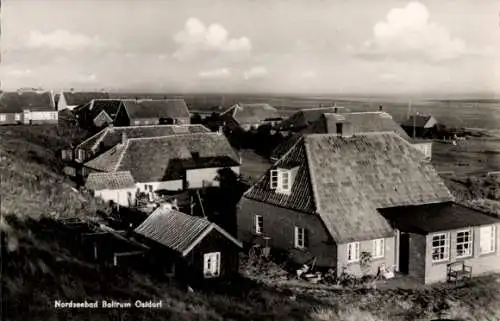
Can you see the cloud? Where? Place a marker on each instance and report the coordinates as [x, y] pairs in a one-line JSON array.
[[18, 72], [61, 40], [255, 72], [216, 73], [408, 33], [196, 38]]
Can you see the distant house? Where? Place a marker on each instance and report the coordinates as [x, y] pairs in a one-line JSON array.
[[10, 114], [353, 123], [191, 248], [327, 196], [170, 163], [305, 117], [421, 126], [28, 107], [153, 112], [117, 187], [72, 99], [111, 136], [98, 113], [250, 116]]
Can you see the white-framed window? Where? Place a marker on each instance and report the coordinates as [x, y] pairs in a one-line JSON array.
[[3, 117], [285, 181], [81, 154], [353, 252], [300, 237], [17, 117], [487, 239], [378, 248], [274, 178], [464, 243], [211, 265], [259, 224], [136, 122], [440, 247]]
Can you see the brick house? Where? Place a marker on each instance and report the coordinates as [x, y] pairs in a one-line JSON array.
[[325, 199], [153, 112], [250, 116], [355, 122], [170, 163], [193, 249]]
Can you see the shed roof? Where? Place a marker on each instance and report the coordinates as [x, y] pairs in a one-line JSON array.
[[251, 113], [149, 108], [116, 180], [15, 102], [429, 218], [178, 231], [345, 180], [151, 159]]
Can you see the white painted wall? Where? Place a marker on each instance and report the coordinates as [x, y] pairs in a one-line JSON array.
[[40, 115], [166, 185], [196, 177], [425, 148], [119, 196]]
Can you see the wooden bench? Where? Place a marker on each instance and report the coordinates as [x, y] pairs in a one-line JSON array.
[[458, 271]]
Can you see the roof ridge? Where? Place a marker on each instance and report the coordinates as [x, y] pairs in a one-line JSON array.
[[92, 136], [120, 158], [174, 135], [159, 125], [100, 139], [319, 108]]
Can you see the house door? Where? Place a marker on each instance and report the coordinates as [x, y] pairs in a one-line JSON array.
[[404, 253]]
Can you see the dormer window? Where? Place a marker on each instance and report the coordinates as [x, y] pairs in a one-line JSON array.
[[281, 179]]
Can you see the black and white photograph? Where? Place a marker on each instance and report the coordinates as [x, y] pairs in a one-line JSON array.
[[247, 160]]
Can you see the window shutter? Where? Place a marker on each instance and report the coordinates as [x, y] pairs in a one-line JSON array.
[[296, 239]]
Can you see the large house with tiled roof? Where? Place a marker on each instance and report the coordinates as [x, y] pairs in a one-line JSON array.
[[250, 116], [152, 112], [170, 163], [189, 247], [352, 122], [331, 197]]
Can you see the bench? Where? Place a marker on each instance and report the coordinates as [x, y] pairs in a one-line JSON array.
[[458, 271]]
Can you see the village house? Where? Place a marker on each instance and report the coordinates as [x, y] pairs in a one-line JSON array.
[[326, 197], [110, 136], [250, 116], [305, 117], [28, 107], [352, 122], [422, 126], [72, 99], [191, 248], [153, 112], [116, 187], [170, 163], [98, 113]]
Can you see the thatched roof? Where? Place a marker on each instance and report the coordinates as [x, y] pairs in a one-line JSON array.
[[345, 180], [246, 114], [151, 159], [424, 219], [116, 180], [178, 231], [148, 108], [15, 102], [110, 136], [81, 98]]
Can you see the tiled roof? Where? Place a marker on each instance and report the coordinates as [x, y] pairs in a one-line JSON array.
[[305, 117], [417, 120], [148, 108], [150, 159], [362, 122], [252, 113], [110, 136], [177, 231], [345, 181], [82, 98], [116, 180], [16, 102], [436, 217]]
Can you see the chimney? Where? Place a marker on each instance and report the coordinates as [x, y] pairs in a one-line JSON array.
[[380, 108], [220, 131], [72, 90], [124, 137], [335, 110]]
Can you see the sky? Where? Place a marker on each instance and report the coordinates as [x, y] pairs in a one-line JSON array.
[[247, 46]]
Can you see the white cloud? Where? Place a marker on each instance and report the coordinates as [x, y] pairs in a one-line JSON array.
[[255, 72], [19, 72], [196, 38], [216, 73], [408, 33], [62, 40]]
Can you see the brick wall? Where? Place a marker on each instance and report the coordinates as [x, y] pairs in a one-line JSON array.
[[279, 224]]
